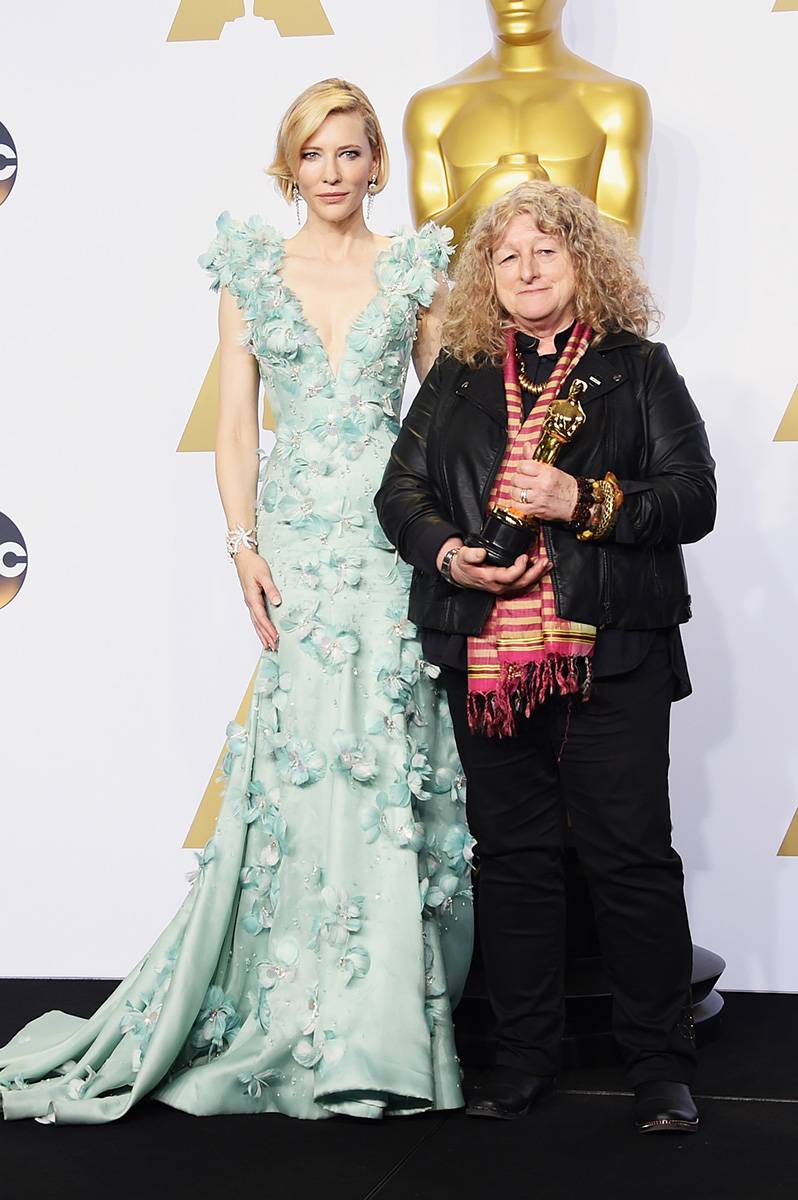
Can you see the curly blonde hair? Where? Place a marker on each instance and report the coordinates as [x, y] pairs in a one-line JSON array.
[[610, 292]]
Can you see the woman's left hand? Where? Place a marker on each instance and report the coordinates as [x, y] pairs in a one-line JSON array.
[[539, 490]]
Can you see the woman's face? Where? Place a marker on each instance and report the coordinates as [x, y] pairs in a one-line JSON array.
[[335, 165], [534, 276]]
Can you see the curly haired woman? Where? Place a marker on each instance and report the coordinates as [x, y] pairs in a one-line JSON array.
[[561, 658]]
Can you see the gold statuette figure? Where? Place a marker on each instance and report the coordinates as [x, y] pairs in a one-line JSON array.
[[564, 418], [506, 533], [530, 109]]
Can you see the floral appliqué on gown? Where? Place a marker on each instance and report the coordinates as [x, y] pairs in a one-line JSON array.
[[313, 966]]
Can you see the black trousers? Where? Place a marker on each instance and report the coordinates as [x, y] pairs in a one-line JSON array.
[[603, 767]]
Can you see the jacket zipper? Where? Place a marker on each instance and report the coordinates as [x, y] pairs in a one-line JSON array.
[[606, 574], [483, 499]]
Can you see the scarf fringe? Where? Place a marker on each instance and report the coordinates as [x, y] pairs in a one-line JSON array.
[[521, 691]]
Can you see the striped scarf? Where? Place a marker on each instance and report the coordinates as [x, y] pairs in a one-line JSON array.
[[525, 652]]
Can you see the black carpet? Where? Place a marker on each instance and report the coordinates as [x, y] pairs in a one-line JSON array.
[[578, 1143]]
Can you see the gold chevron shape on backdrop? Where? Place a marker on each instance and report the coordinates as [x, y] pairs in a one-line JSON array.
[[205, 817], [785, 6], [295, 18], [789, 847], [200, 431], [204, 20], [788, 430]]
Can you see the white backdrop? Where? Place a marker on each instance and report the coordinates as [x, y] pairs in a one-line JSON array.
[[128, 649]]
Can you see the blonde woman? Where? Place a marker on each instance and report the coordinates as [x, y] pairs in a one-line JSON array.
[[312, 967], [560, 650]]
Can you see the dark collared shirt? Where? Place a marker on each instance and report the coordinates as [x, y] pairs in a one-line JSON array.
[[617, 651]]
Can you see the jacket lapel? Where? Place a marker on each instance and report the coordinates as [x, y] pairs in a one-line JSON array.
[[483, 386], [600, 373]]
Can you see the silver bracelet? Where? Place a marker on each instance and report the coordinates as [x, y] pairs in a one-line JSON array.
[[445, 568], [240, 537]]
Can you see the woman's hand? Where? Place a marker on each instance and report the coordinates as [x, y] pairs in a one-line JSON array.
[[542, 491], [468, 571], [256, 583]]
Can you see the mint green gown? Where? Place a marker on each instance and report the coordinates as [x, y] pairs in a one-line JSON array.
[[313, 966]]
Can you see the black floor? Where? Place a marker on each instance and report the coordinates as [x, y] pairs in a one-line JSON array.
[[580, 1143]]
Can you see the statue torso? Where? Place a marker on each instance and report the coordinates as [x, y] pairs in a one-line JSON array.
[[544, 115]]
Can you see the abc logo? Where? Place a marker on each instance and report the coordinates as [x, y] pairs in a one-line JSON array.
[[8, 162], [13, 560]]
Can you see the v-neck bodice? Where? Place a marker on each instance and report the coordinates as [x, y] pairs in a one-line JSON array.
[[247, 257], [359, 315], [325, 421]]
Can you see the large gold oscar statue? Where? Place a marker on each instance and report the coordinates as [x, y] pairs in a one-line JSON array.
[[530, 109]]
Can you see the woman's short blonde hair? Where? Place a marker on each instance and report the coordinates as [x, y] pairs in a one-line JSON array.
[[610, 292], [304, 117]]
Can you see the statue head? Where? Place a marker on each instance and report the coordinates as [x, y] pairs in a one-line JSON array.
[[519, 22]]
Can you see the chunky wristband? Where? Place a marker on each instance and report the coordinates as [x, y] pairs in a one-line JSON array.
[[613, 499], [585, 500], [609, 500]]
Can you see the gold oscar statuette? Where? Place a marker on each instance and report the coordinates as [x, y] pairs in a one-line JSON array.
[[564, 418], [507, 533], [529, 109]]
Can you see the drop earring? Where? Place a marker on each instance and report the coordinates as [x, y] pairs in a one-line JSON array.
[[297, 195], [370, 201]]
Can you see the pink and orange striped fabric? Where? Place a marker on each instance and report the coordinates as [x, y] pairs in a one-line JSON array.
[[525, 652]]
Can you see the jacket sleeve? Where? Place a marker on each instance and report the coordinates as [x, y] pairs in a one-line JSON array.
[[409, 509], [675, 503]]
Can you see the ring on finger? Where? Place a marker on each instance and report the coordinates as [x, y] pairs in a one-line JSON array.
[[523, 496]]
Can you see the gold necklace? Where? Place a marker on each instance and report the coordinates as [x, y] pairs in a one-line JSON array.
[[524, 382]]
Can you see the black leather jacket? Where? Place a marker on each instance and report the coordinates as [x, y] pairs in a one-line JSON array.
[[641, 424]]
